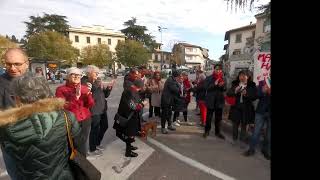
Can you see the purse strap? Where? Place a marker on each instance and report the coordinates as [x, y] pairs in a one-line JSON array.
[[73, 150]]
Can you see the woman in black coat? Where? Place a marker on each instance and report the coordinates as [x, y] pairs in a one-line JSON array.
[[129, 107], [245, 92]]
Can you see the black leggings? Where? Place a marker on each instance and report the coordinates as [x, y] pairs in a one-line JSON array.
[[177, 113]]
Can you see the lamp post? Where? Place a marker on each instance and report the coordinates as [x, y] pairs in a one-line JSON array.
[[160, 30]]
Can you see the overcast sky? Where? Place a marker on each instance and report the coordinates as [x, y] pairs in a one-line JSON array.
[[199, 22]]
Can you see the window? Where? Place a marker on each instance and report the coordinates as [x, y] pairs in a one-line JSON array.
[[99, 40], [109, 41], [159, 57], [266, 26], [266, 46], [156, 57], [88, 40], [236, 52], [238, 38], [253, 33], [189, 49], [153, 56], [76, 38]]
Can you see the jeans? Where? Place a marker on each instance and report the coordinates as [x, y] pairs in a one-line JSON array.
[[260, 119], [84, 134], [94, 132]]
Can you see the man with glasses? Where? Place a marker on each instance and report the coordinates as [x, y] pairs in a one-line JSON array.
[[16, 64]]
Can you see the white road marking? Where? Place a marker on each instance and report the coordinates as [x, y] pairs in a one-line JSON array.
[[190, 161]]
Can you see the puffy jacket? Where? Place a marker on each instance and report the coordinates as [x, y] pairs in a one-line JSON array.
[[170, 91], [80, 107], [35, 138]]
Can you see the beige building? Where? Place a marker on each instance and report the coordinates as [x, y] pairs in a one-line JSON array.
[[93, 35], [238, 50], [263, 33], [190, 55], [159, 56]]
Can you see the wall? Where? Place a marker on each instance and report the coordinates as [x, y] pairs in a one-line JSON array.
[[232, 40]]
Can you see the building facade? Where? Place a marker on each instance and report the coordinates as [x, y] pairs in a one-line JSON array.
[[159, 56], [190, 55]]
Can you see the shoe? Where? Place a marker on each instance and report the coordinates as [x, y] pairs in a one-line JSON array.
[[164, 131], [266, 155], [220, 136], [178, 121], [176, 124], [249, 153], [101, 148], [131, 154], [133, 148], [171, 128], [95, 153], [205, 134]]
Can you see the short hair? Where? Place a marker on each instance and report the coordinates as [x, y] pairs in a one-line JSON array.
[[91, 68], [4, 57], [176, 73], [184, 73], [30, 88], [74, 70]]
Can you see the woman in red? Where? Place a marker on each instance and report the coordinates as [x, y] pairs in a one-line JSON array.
[[186, 98], [79, 101]]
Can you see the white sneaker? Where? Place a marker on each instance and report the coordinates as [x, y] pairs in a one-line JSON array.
[[176, 124], [101, 148], [95, 153], [178, 121]]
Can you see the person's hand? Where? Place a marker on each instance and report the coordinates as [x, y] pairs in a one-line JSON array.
[[244, 92], [237, 89], [144, 103], [216, 82], [78, 91], [89, 85]]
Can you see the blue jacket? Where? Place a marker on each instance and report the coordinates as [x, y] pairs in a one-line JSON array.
[[264, 104]]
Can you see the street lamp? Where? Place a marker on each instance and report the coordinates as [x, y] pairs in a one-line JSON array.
[[160, 30]]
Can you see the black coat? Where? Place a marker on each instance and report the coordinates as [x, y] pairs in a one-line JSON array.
[[214, 96], [243, 111], [179, 102], [264, 104], [6, 94], [127, 101], [99, 95], [170, 91]]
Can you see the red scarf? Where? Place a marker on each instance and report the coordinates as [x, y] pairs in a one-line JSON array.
[[218, 76]]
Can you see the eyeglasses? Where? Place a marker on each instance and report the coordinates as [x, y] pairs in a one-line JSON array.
[[9, 65], [75, 75]]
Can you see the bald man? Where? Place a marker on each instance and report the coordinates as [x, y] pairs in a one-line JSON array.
[[16, 64]]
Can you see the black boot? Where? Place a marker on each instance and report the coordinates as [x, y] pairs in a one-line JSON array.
[[133, 148], [129, 152], [205, 134]]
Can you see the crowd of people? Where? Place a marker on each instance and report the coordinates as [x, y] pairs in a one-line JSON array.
[[32, 123]]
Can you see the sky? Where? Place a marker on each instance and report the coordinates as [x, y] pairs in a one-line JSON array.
[[198, 22]]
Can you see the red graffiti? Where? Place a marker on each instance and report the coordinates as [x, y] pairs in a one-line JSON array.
[[264, 57]]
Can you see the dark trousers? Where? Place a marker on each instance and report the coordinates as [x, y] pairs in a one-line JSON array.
[[166, 116], [217, 122], [177, 113], [94, 133], [150, 108], [235, 132], [157, 111], [103, 127], [84, 134]]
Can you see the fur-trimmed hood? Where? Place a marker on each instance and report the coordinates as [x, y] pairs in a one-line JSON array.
[[13, 115]]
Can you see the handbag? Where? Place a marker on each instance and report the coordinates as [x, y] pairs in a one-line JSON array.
[[82, 168], [230, 100], [122, 120]]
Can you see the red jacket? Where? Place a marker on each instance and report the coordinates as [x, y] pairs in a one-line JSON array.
[[80, 107], [187, 86]]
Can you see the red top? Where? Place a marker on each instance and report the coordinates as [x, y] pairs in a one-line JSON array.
[[80, 107], [187, 86]]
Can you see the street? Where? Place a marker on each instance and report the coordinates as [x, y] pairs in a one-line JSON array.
[[182, 154]]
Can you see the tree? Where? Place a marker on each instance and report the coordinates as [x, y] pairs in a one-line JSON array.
[[242, 4], [14, 39], [49, 22], [132, 53], [51, 45], [137, 33], [98, 55], [5, 43]]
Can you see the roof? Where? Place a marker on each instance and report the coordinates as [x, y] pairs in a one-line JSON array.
[[189, 45], [226, 37], [260, 15], [97, 30]]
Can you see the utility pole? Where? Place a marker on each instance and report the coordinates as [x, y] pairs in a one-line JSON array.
[[160, 30]]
